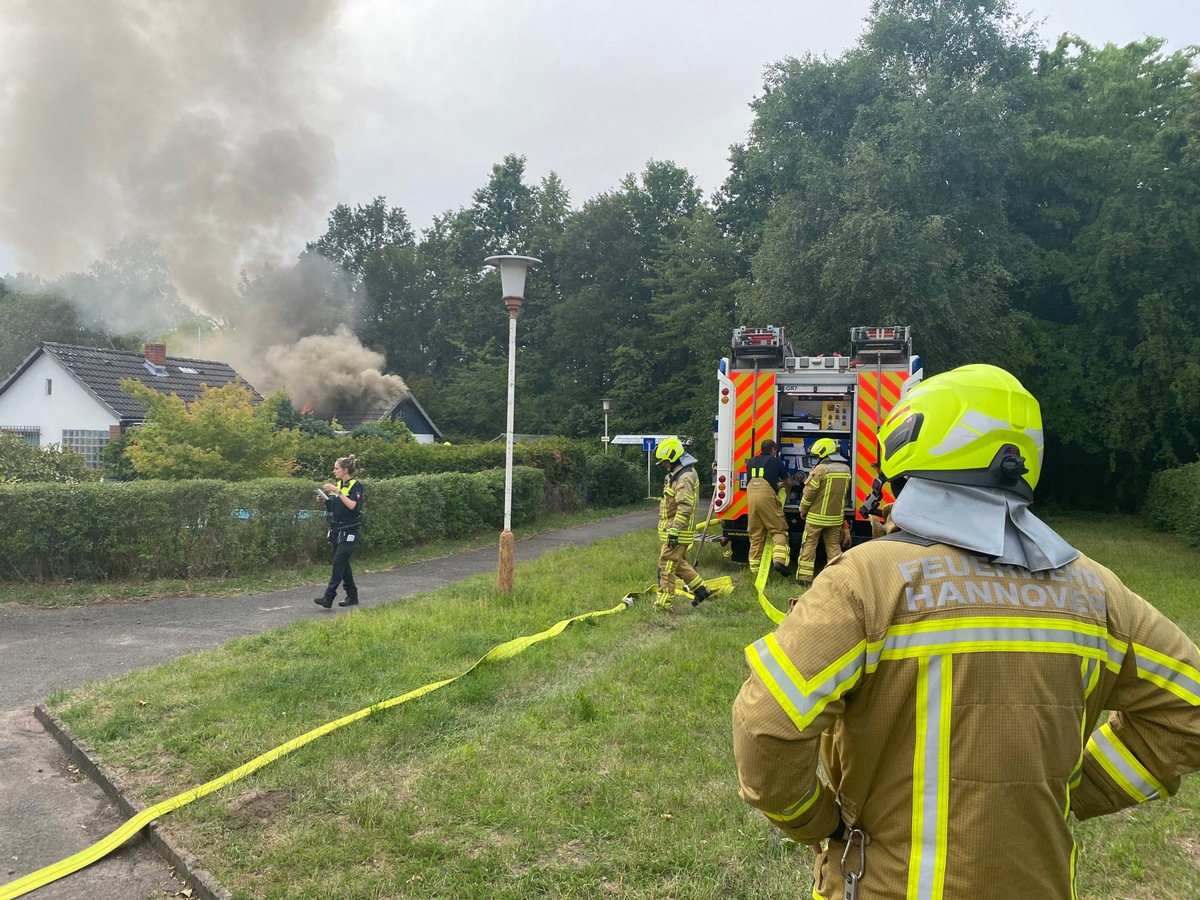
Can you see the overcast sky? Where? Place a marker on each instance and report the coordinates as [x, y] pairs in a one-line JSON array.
[[595, 90], [414, 100]]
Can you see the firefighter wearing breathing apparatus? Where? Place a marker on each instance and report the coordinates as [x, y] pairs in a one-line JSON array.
[[953, 677], [823, 507], [766, 475], [677, 523]]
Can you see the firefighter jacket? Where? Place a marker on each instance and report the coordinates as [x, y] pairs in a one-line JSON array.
[[768, 467], [955, 705], [677, 509], [824, 499]]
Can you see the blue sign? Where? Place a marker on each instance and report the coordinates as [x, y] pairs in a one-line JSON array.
[[649, 443]]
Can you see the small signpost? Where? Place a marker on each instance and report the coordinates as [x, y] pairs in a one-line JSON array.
[[649, 444]]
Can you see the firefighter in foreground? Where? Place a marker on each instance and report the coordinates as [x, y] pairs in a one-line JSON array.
[[823, 508], [677, 523], [765, 476], [952, 677]]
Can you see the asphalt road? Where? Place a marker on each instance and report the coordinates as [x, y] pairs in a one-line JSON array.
[[48, 811]]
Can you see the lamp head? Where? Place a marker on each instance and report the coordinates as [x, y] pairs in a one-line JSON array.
[[512, 273]]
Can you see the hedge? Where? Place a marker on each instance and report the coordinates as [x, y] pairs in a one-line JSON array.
[[1173, 502], [563, 461], [179, 529], [611, 481]]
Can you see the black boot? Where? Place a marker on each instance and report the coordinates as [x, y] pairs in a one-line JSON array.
[[349, 601], [326, 602], [701, 594]]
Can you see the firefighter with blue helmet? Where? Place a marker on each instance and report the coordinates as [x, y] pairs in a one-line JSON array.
[[677, 523], [969, 681]]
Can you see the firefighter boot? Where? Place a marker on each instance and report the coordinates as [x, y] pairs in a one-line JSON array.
[[662, 600], [701, 594], [326, 602]]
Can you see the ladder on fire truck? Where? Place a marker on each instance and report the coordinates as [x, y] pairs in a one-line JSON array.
[[754, 347], [876, 343]]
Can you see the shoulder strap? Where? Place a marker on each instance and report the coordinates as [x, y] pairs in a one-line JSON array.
[[675, 476], [905, 538]]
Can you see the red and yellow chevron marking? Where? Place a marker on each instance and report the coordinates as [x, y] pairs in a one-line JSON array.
[[754, 420], [877, 394]]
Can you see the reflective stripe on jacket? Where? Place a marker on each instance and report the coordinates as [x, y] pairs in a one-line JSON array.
[[955, 705], [768, 467], [824, 498], [677, 509]]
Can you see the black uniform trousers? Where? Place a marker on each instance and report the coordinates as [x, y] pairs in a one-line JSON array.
[[344, 542]]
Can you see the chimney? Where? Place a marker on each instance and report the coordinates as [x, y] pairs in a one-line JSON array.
[[156, 354]]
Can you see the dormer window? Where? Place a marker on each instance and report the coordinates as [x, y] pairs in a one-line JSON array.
[[156, 371]]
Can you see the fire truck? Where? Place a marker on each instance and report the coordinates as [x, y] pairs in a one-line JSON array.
[[767, 390]]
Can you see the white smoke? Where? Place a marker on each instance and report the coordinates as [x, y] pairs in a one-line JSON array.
[[193, 125]]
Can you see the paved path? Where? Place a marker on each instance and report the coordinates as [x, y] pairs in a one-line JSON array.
[[47, 810]]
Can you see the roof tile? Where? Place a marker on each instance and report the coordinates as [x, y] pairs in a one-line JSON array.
[[102, 370]]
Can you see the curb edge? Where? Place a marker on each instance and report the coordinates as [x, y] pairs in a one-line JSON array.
[[206, 887]]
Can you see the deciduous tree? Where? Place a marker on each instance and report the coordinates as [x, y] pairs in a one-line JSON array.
[[221, 434]]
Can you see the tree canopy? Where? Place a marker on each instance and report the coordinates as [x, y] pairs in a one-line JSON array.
[[1030, 206], [221, 434]]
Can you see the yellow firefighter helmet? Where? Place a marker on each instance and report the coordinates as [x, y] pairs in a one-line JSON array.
[[669, 451], [824, 447], [974, 425]]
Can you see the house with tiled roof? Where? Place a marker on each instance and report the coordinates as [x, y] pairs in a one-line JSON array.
[[71, 396], [406, 410]]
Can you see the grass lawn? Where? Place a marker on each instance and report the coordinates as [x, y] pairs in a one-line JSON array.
[[596, 764]]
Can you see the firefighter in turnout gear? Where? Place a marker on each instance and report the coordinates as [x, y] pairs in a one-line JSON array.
[[952, 678], [823, 508], [765, 476], [677, 523]]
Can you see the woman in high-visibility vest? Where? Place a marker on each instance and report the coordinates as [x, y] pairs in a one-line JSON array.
[[344, 503]]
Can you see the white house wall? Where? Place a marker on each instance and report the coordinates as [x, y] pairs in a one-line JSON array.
[[68, 406]]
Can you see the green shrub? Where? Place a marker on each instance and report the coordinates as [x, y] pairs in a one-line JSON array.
[[147, 529], [563, 461], [393, 431], [1173, 502], [611, 481], [22, 462], [113, 461], [381, 459], [528, 494]]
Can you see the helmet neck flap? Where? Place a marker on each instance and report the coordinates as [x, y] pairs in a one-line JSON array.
[[983, 520]]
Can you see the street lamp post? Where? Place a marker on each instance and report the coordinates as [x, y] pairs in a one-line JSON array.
[[512, 283], [607, 404]]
